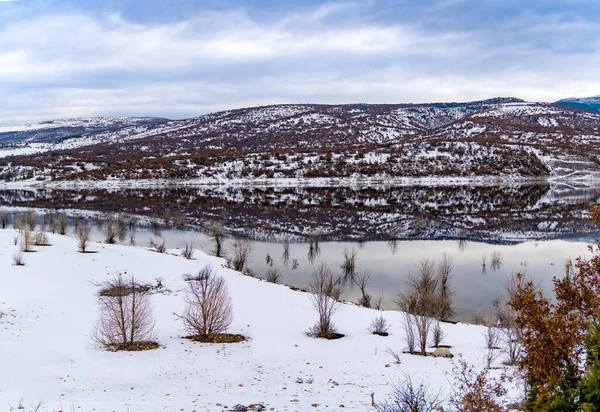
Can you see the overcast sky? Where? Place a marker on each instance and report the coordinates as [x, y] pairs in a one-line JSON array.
[[182, 58]]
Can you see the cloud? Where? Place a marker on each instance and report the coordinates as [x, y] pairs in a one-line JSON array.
[[75, 62]]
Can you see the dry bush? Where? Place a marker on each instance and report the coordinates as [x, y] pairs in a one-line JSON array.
[[121, 227], [132, 239], [314, 247], [27, 240], [274, 275], [475, 391], [41, 238], [18, 259], [188, 250], [126, 321], [216, 233], [162, 248], [325, 292], [269, 260], [408, 397], [242, 254], [379, 326], [349, 265], [82, 235], [362, 281], [496, 260], [208, 308]]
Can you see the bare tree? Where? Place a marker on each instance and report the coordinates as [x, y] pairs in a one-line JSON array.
[[188, 251], [349, 265], [121, 227], [408, 397], [26, 221], [4, 219], [438, 334], [269, 260], [362, 281], [444, 275], [285, 256], [61, 223], [325, 291], [409, 332], [82, 235], [496, 260], [314, 248], [274, 275], [208, 308], [27, 240], [242, 254], [110, 231], [126, 320], [216, 233], [421, 301]]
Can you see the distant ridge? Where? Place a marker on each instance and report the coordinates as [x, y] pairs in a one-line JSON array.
[[586, 103]]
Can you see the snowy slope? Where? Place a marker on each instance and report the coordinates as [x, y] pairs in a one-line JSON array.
[[586, 103], [47, 355]]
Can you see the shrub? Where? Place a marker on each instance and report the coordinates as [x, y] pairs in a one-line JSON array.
[[82, 235], [285, 256], [379, 326], [349, 265], [407, 397], [242, 249], [18, 259], [274, 275], [27, 239], [216, 233], [188, 250], [362, 281], [126, 321], [4, 219], [208, 309]]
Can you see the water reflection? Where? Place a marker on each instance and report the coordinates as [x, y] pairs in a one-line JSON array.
[[488, 232]]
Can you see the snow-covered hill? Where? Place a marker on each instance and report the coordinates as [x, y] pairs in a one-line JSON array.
[[586, 103], [499, 137]]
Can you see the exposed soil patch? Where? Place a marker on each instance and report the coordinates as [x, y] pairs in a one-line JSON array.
[[133, 347], [217, 338]]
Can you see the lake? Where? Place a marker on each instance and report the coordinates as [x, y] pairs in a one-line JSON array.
[[489, 232]]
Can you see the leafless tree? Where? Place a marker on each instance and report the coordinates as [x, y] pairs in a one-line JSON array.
[[110, 231], [349, 265], [362, 281], [208, 309], [82, 235], [444, 275], [406, 396], [188, 250], [285, 256], [242, 254], [121, 227], [132, 238], [274, 275], [496, 260], [4, 219], [438, 334], [26, 221], [125, 319], [325, 291], [409, 332], [421, 301], [27, 240], [61, 223], [216, 233], [269, 260], [483, 264], [160, 248], [314, 248]]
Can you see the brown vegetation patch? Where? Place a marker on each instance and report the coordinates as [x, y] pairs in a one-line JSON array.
[[133, 347], [217, 338]]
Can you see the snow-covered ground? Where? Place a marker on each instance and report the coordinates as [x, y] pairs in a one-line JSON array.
[[46, 354]]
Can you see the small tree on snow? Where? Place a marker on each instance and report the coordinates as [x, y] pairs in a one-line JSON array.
[[325, 291], [208, 309]]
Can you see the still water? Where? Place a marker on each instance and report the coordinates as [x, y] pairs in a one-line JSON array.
[[489, 232]]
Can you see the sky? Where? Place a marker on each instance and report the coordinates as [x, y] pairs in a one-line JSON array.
[[183, 58]]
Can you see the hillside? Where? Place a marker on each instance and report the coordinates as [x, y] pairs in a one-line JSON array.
[[498, 137], [586, 103]]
